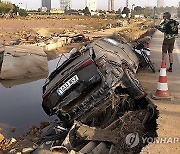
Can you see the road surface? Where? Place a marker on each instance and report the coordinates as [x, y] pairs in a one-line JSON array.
[[169, 119]]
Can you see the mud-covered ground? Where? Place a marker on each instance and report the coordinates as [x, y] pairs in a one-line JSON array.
[[17, 28]]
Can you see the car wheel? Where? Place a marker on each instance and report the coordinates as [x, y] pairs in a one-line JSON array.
[[134, 87]]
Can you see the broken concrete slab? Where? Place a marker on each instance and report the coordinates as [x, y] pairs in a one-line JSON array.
[[28, 49], [94, 134], [22, 64], [55, 43]]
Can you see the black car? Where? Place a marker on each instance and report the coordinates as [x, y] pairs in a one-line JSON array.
[[90, 78]]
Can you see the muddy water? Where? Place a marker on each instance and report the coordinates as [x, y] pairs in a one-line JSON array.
[[20, 103]]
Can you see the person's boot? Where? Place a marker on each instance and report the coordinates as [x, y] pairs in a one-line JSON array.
[[169, 69]]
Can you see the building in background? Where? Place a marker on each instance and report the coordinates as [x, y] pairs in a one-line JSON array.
[[92, 5], [46, 5], [160, 3], [110, 5], [65, 4], [56, 11]]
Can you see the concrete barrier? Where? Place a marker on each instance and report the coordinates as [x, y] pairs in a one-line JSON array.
[[22, 65]]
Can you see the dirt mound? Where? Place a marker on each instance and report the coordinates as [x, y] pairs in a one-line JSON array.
[[43, 32], [132, 34]]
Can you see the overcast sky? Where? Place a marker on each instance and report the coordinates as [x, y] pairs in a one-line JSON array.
[[101, 4]]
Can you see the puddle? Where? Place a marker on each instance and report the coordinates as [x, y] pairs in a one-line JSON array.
[[20, 103]]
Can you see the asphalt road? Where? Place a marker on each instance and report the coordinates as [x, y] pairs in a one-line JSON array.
[[169, 119]]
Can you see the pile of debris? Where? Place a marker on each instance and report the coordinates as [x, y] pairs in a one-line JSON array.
[[44, 39], [133, 34], [102, 111], [80, 138]]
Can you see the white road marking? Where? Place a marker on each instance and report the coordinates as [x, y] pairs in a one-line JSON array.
[[177, 51]]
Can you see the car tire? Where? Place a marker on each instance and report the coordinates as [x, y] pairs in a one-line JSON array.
[[134, 87]]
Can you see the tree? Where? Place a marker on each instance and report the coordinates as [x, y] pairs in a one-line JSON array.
[[15, 9], [22, 12], [119, 11], [66, 9], [6, 8], [138, 10], [126, 11], [160, 10], [148, 12], [11, 9], [86, 11]]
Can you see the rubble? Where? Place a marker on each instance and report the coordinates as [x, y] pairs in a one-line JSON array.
[[114, 134], [1, 137], [54, 44], [43, 32], [25, 143], [13, 129], [7, 143], [82, 138]]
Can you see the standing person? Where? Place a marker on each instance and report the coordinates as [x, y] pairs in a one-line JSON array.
[[170, 29]]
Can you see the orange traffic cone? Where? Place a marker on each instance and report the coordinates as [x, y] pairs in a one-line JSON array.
[[148, 47], [162, 87], [148, 44]]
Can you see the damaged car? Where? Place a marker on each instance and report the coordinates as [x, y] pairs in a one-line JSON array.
[[98, 76], [98, 100]]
